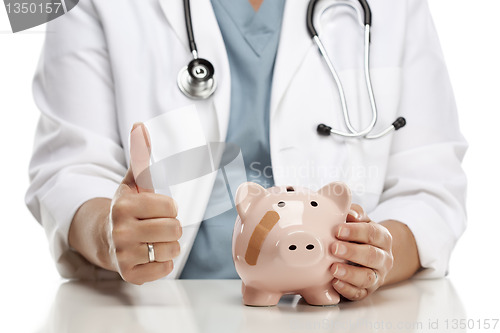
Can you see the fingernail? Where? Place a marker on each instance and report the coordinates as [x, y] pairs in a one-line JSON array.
[[339, 284], [343, 232], [135, 125], [354, 213], [340, 249], [339, 271]]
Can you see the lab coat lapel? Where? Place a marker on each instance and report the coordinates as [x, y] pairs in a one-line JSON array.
[[174, 12], [293, 46], [210, 46]]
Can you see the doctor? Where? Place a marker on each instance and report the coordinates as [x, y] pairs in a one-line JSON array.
[[107, 65]]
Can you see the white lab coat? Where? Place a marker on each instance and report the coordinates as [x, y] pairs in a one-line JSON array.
[[109, 64]]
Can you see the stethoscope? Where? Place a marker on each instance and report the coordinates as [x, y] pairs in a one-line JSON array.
[[197, 79]]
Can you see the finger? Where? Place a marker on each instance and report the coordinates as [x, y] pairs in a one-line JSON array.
[[158, 230], [152, 205], [349, 291], [140, 155], [145, 206], [163, 251], [148, 272], [362, 254], [357, 214], [365, 233], [357, 276], [139, 254]]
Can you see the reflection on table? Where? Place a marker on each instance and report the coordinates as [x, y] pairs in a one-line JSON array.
[[215, 306]]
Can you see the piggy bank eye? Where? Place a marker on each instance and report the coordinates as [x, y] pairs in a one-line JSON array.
[[292, 247], [314, 203], [281, 204]]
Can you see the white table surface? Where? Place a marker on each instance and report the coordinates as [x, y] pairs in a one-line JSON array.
[[215, 306], [34, 299]]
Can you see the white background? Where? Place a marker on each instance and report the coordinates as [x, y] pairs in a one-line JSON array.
[[470, 39]]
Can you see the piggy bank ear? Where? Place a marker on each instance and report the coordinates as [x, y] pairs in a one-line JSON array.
[[339, 193], [246, 195]]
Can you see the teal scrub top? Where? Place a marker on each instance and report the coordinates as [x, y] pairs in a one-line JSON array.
[[251, 40]]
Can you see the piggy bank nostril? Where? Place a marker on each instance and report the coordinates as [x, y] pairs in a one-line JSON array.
[[310, 247], [281, 204], [292, 247], [314, 203]]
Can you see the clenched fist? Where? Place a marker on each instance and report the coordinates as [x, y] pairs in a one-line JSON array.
[[115, 234]]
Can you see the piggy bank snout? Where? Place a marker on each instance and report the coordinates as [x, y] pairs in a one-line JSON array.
[[301, 249]]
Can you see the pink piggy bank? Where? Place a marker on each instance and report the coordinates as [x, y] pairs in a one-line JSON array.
[[282, 240]]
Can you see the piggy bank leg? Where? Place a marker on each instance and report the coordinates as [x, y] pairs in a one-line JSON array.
[[323, 295], [257, 297]]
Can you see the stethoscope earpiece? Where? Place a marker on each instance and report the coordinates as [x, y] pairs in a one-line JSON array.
[[197, 80], [326, 130]]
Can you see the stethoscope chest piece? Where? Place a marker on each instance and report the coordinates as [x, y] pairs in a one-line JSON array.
[[197, 80]]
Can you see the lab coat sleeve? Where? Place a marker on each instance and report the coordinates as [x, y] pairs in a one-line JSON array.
[[78, 153], [425, 185]]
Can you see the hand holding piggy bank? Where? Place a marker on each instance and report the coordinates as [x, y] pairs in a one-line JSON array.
[[282, 240]]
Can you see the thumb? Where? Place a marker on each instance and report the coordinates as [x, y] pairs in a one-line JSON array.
[[357, 214], [139, 172]]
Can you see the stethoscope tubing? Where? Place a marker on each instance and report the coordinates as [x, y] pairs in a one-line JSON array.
[[311, 9], [191, 82], [353, 133], [189, 29]]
